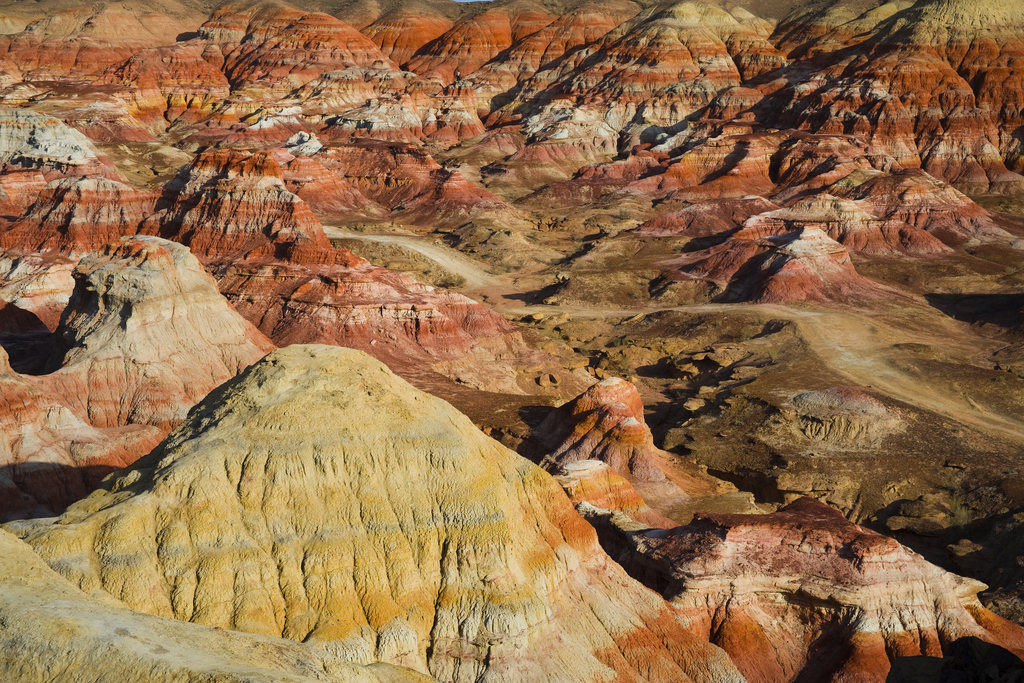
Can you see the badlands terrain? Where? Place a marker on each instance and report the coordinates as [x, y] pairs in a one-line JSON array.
[[555, 340]]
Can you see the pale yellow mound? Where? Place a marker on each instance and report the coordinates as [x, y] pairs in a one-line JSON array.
[[51, 632], [319, 497]]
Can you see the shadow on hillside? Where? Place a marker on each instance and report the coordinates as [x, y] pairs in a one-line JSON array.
[[44, 489], [1003, 310]]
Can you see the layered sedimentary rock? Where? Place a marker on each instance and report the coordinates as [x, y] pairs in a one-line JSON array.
[[406, 180], [402, 33], [169, 84], [78, 215], [34, 141], [916, 198], [474, 41], [847, 223], [605, 423], [227, 201], [276, 266], [44, 619], [688, 44], [393, 532], [571, 31], [327, 192], [845, 417], [706, 218], [595, 483], [146, 335], [803, 592], [80, 42], [49, 456], [802, 265], [946, 96], [280, 48], [35, 284]]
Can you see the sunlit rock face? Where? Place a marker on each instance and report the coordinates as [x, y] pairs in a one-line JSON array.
[[803, 591], [390, 529]]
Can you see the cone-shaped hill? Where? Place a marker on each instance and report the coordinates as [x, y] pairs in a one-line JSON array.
[[319, 497]]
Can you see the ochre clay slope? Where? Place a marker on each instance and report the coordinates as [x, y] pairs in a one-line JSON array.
[[321, 498], [45, 620]]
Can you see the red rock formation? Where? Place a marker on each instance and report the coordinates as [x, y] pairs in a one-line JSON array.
[[19, 187], [146, 335], [327, 192], [39, 284], [49, 457], [803, 265], [848, 224], [407, 180], [401, 33], [945, 98], [605, 423], [808, 163], [571, 31], [804, 593], [560, 140], [168, 84], [83, 41], [595, 483], [706, 218], [282, 48], [593, 181], [226, 202], [725, 166], [78, 215], [658, 68], [276, 266], [337, 92], [474, 41], [918, 199]]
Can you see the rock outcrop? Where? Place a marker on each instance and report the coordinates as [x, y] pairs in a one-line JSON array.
[[847, 223], [168, 85], [275, 49], [386, 528], [146, 335], [474, 41], [802, 592], [705, 219], [802, 265], [37, 284], [74, 216], [402, 33], [79, 42], [233, 203], [595, 483], [949, 113], [34, 141], [605, 423], [277, 268], [661, 66], [51, 457]]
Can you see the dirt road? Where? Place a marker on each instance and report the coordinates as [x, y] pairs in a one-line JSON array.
[[476, 276]]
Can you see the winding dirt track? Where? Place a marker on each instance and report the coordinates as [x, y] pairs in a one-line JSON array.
[[457, 262], [856, 346]]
